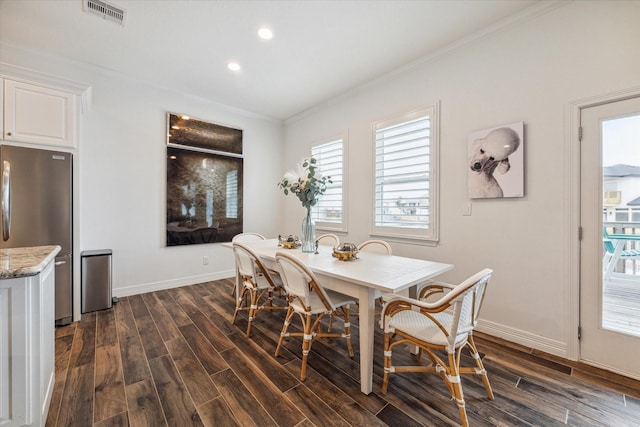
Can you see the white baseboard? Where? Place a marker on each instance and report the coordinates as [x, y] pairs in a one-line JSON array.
[[169, 284], [527, 339]]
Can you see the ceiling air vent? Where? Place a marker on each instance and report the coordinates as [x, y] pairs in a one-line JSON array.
[[105, 10]]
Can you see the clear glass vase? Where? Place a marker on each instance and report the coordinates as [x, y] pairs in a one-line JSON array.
[[308, 233]]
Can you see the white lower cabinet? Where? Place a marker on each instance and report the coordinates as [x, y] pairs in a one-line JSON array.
[[27, 348]]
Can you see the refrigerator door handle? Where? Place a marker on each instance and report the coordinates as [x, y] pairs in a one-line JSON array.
[[6, 200]]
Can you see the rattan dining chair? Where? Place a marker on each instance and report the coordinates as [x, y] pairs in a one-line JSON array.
[[257, 281], [310, 301], [377, 246], [332, 239], [245, 237], [441, 329]]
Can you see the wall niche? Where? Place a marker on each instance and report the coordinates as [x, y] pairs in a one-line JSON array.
[[204, 181]]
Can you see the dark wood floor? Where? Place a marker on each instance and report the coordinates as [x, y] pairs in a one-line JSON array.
[[174, 358]]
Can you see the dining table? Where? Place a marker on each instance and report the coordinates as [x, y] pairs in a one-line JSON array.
[[364, 278]]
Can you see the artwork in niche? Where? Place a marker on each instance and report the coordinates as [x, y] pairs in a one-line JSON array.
[[496, 162], [204, 192], [189, 132]]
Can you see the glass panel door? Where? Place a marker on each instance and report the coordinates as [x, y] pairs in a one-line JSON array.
[[610, 209], [621, 217]]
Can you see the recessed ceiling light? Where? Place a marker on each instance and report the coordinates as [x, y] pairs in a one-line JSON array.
[[233, 66], [265, 33]]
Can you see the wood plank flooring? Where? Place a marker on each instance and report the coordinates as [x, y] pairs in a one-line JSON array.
[[621, 304], [173, 358]]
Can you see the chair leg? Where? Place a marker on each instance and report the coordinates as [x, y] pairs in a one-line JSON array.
[[453, 380], [347, 329], [480, 367], [238, 305], [387, 361], [269, 302], [285, 327], [306, 345], [253, 309]]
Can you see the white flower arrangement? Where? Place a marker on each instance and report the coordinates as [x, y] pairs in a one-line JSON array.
[[306, 182]]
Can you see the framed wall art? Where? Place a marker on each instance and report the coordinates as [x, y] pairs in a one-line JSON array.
[[204, 182], [496, 162]]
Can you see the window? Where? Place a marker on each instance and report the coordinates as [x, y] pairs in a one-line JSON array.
[[329, 212], [406, 176], [232, 194], [622, 215], [610, 185]]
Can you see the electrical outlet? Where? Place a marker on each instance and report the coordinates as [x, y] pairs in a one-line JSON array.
[[466, 209], [205, 260]]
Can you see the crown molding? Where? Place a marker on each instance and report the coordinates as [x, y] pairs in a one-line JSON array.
[[82, 90]]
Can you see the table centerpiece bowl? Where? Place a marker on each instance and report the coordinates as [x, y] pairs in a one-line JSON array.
[[345, 251]]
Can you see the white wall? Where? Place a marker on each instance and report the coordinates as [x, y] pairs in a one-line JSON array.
[[122, 181], [529, 71]]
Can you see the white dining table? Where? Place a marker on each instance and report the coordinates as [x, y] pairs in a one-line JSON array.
[[364, 279]]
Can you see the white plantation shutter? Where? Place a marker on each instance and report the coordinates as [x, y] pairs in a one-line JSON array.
[[329, 211], [405, 178]]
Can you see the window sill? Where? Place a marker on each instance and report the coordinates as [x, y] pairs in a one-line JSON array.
[[412, 240]]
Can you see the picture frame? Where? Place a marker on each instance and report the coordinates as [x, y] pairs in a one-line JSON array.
[[204, 182], [192, 133], [495, 165]]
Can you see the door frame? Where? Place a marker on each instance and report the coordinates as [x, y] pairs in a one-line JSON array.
[[572, 205]]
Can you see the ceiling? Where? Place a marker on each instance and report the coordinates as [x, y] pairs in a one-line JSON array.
[[320, 49]]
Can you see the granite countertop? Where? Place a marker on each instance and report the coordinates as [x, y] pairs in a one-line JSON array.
[[23, 262]]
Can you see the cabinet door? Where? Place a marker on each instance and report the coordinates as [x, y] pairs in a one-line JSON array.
[[47, 348], [15, 353], [27, 348], [38, 115]]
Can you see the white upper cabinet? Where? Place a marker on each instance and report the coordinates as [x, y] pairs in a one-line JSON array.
[[39, 115]]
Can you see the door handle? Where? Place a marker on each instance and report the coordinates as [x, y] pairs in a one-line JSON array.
[[6, 200], [59, 262]]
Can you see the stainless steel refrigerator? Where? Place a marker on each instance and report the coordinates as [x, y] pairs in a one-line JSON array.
[[37, 210]]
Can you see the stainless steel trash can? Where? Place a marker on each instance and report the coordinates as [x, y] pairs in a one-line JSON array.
[[96, 280]]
